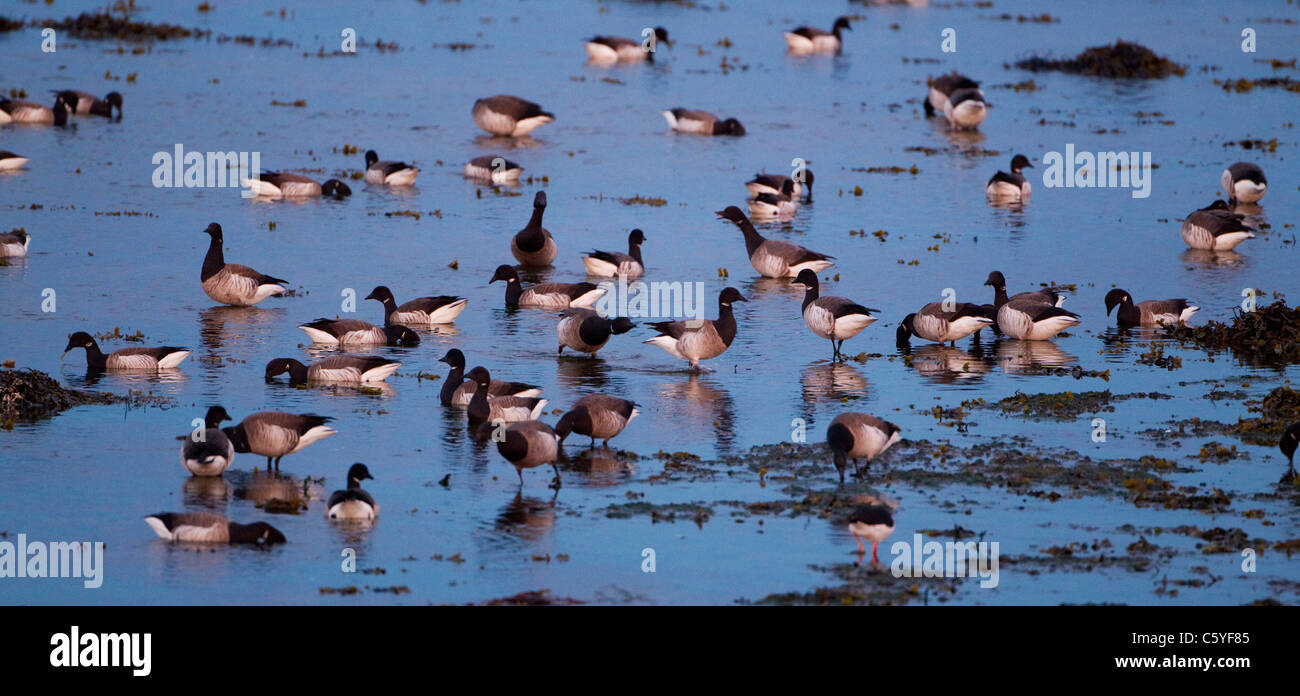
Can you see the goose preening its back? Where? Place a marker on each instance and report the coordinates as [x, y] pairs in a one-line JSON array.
[[835, 318], [774, 258], [1031, 319], [1244, 182], [546, 295], [211, 454], [10, 161], [781, 204], [616, 49], [694, 340], [701, 123], [483, 408], [775, 184], [805, 40], [353, 503], [529, 444], [1010, 187], [151, 359], [355, 332], [509, 116], [211, 528], [958, 98], [442, 309], [1151, 312], [858, 436], [607, 264], [13, 111], [533, 245], [273, 434], [87, 104], [389, 173], [597, 416], [457, 390], [871, 522], [344, 369], [493, 168], [231, 283], [285, 185], [586, 331], [14, 244], [936, 323], [1215, 228]]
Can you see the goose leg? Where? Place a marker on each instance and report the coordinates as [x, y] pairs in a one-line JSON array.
[[556, 482], [861, 548], [874, 558], [520, 471], [268, 463]]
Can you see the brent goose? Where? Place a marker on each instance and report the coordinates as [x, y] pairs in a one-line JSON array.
[[773, 258], [533, 245], [935, 323], [585, 331], [509, 116], [608, 264], [1215, 228], [701, 123], [355, 332], [483, 408], [528, 444], [353, 503], [211, 455], [457, 390], [284, 185], [999, 284], [442, 309], [775, 183], [231, 283], [857, 436], [87, 104], [154, 359], [1288, 444], [1030, 319], [700, 339], [545, 295], [873, 523], [832, 317], [1171, 312], [390, 173], [11, 160], [493, 168], [1010, 187], [614, 49], [346, 369], [1244, 182], [804, 40], [274, 434], [14, 244], [13, 111], [211, 528], [958, 98], [597, 416], [782, 204]]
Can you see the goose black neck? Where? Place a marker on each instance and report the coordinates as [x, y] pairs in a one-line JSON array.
[[95, 357], [238, 438], [634, 250], [478, 404], [60, 113], [999, 296], [214, 261], [1129, 313], [752, 238], [297, 372], [810, 295], [455, 378], [726, 324], [514, 288], [390, 306]]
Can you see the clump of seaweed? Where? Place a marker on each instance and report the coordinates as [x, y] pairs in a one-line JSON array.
[[1120, 60], [28, 395], [1267, 336], [102, 24]]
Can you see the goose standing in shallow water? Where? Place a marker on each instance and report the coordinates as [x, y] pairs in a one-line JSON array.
[[1149, 313], [608, 264], [700, 339], [935, 323], [457, 390], [1010, 187], [775, 184], [871, 522], [483, 408], [388, 173], [1288, 445], [597, 416], [353, 503], [528, 444], [546, 295], [273, 434], [509, 116], [1244, 182], [10, 161], [12, 111], [355, 332], [836, 318], [533, 245], [87, 104], [859, 436], [442, 309], [211, 455], [1032, 320], [806, 40], [617, 49], [14, 244], [284, 185], [701, 123], [211, 528], [151, 359], [586, 331], [231, 283], [493, 168], [343, 369], [1215, 228], [959, 99], [773, 258]]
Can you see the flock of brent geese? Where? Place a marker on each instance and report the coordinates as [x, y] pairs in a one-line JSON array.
[[508, 412]]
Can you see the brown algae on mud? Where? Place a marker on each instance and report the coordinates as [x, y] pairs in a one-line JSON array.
[[1119, 60], [29, 395], [1269, 335]]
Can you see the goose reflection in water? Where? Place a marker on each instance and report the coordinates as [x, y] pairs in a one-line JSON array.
[[948, 364], [1029, 357], [826, 382], [274, 491], [602, 467], [209, 492], [528, 518], [700, 400]]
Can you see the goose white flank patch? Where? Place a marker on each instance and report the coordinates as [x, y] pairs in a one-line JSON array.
[[1031, 320], [874, 523], [284, 185], [388, 173], [210, 528], [274, 434], [509, 116], [353, 502], [1149, 313], [14, 244], [355, 332], [935, 323], [617, 49], [529, 444], [457, 390], [545, 295], [773, 258], [10, 161], [598, 416], [608, 264], [830, 317], [422, 311], [783, 204], [585, 331], [211, 454], [493, 168], [700, 339], [806, 40], [858, 436], [998, 282], [1013, 187], [483, 408], [150, 359], [533, 245], [959, 99], [775, 184], [231, 283], [701, 123], [342, 369], [1244, 182], [13, 111], [1215, 228], [88, 104]]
